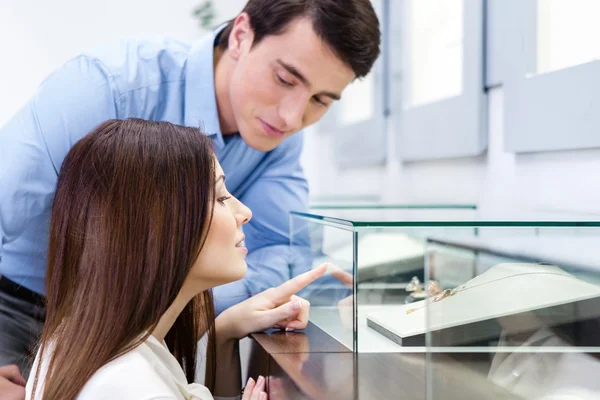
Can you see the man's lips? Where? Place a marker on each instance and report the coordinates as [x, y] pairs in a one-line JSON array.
[[271, 130]]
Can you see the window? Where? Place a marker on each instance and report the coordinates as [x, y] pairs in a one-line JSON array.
[[436, 50], [442, 110], [360, 104], [568, 33], [358, 121], [545, 54]]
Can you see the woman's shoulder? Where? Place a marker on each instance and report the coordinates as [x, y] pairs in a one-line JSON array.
[[131, 376]]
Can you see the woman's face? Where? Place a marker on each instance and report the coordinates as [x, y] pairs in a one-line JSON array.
[[222, 259]]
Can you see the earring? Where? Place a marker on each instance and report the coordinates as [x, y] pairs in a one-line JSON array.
[[414, 285], [416, 289], [433, 288]]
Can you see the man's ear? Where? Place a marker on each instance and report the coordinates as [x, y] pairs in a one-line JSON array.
[[241, 36]]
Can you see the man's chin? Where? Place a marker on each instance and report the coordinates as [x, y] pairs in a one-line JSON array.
[[260, 142]]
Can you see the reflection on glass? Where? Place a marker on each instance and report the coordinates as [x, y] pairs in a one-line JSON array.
[[567, 33], [357, 101], [546, 374], [436, 50]]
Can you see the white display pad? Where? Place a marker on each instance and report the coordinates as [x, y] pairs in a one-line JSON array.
[[503, 290], [339, 327]]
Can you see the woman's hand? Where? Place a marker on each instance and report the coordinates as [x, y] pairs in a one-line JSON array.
[[274, 307], [255, 390], [12, 384]]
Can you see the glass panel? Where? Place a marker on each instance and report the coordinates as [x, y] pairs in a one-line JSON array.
[[567, 33], [331, 296], [435, 43], [516, 309], [360, 214], [511, 307], [379, 207]]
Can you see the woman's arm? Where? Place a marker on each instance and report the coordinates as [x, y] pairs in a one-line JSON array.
[[275, 306], [228, 374]]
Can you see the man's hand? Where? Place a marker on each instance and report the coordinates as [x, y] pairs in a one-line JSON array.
[[274, 307], [12, 384]]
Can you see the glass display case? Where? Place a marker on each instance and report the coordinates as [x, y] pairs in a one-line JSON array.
[[513, 302]]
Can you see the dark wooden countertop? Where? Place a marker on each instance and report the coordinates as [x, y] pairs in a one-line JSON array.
[[311, 364]]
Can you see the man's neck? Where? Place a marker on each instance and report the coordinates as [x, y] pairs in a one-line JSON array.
[[223, 68]]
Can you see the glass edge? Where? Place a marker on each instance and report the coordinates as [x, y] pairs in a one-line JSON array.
[[395, 207], [468, 223]]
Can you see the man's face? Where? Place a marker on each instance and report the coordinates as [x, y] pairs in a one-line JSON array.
[[284, 83]]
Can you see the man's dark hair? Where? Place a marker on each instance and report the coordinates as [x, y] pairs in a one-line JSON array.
[[349, 27]]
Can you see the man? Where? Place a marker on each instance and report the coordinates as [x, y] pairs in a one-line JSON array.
[[253, 84]]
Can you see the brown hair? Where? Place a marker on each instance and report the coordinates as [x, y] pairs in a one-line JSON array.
[[349, 27], [132, 207]]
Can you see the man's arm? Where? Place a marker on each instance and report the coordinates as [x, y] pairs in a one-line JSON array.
[[68, 104], [281, 189]]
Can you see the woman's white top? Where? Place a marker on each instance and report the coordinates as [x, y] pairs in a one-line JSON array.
[[148, 372]]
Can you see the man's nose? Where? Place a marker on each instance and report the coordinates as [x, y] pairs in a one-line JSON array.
[[292, 111]]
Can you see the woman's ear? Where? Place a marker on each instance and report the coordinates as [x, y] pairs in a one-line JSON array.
[[241, 36]]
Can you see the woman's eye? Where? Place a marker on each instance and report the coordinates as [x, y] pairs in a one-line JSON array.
[[223, 199]]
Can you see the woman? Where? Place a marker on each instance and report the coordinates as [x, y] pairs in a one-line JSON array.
[[12, 384], [142, 228]]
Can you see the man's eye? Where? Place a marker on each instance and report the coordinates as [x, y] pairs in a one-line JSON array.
[[284, 82], [320, 102]]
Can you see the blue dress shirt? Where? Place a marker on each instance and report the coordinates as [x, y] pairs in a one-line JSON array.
[[154, 79]]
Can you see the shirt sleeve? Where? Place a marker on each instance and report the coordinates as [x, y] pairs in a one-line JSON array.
[[282, 188], [33, 143]]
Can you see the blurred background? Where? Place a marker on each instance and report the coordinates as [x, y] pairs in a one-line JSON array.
[[486, 102]]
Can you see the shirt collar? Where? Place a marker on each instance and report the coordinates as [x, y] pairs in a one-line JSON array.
[[200, 99]]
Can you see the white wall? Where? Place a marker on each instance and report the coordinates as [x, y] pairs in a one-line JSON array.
[[37, 36], [498, 182]]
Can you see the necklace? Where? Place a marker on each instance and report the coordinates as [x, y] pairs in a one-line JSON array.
[[433, 287]]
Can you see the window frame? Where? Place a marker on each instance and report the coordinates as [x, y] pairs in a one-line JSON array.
[[363, 143], [535, 118], [451, 127]]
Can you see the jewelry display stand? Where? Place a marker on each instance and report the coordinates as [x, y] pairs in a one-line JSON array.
[[535, 295]]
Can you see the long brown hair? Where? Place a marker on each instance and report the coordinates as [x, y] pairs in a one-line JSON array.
[[132, 207]]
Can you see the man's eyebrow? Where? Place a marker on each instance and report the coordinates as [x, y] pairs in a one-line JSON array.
[[294, 71]]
